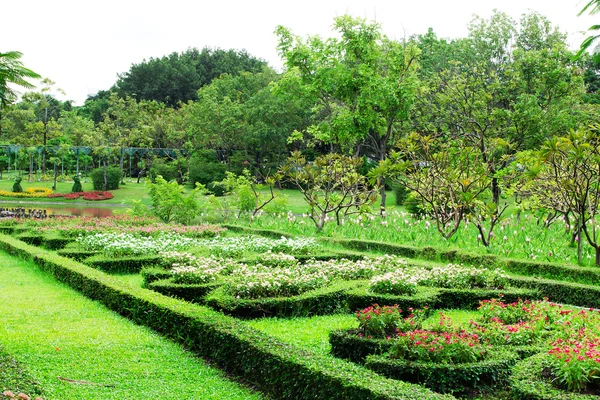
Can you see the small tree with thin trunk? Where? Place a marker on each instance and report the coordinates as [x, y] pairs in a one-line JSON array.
[[330, 185], [571, 167]]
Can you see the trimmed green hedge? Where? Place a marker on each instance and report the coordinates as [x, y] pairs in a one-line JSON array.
[[280, 369], [448, 378], [54, 242], [78, 255], [360, 297], [576, 294], [188, 292], [123, 265], [528, 382], [322, 301], [7, 230], [151, 274], [262, 232], [35, 239], [585, 275], [348, 345]]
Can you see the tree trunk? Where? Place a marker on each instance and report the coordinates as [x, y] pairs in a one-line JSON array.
[[383, 196], [495, 191], [54, 185], [597, 256], [105, 175]]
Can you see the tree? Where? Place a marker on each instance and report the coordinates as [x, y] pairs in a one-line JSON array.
[[362, 84], [330, 185], [570, 168], [175, 78], [12, 72], [171, 205], [592, 8]]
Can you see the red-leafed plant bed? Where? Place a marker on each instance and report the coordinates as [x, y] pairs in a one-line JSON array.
[[91, 196]]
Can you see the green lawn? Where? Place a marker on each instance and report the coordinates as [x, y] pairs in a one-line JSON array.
[[60, 335]]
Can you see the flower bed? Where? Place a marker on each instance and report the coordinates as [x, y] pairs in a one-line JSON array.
[[90, 196], [28, 193]]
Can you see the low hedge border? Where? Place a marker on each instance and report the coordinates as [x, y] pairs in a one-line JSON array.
[[262, 232], [575, 294], [528, 383], [151, 274], [448, 378], [322, 301], [53, 242], [584, 275], [277, 368], [35, 239], [188, 292], [121, 265], [7, 230], [348, 345], [360, 297], [15, 378], [78, 255]]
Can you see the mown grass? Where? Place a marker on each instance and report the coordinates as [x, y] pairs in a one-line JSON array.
[[59, 335], [15, 378]]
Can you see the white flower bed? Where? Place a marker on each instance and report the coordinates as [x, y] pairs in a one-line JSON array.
[[124, 244], [237, 245]]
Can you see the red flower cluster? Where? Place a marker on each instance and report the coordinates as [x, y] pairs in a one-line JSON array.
[[91, 196], [443, 347]]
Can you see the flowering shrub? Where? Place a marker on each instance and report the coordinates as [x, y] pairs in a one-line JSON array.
[[271, 259], [404, 281], [398, 282], [575, 363], [387, 321], [236, 246], [438, 347], [123, 244], [189, 269], [6, 193]]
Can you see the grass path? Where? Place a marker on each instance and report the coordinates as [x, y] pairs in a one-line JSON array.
[[56, 332]]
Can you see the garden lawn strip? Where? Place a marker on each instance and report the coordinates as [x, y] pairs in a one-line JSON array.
[[15, 378], [308, 332], [65, 339]]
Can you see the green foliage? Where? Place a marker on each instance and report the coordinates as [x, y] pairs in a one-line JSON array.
[[170, 204], [168, 171], [17, 188], [121, 265], [401, 193], [206, 172], [77, 185], [331, 185], [15, 378], [113, 178], [276, 368]]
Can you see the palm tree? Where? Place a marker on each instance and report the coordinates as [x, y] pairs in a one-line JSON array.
[[592, 7], [12, 72]]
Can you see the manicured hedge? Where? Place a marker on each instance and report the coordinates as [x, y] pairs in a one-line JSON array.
[[528, 382], [280, 369], [575, 294], [151, 274], [361, 297], [262, 232], [54, 242], [123, 265], [188, 292], [585, 275], [78, 255], [448, 378], [320, 301], [348, 345], [35, 239], [7, 230]]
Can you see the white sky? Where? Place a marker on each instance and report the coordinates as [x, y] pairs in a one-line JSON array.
[[83, 45]]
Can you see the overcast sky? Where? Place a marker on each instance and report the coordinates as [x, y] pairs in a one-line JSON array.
[[82, 45]]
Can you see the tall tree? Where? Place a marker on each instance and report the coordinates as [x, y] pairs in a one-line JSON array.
[[176, 78], [363, 84]]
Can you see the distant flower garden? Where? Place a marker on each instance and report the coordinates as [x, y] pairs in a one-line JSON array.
[[40, 193]]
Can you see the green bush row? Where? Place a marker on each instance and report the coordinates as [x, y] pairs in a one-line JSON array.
[[54, 242], [528, 382], [348, 345], [585, 275], [121, 265], [576, 294], [326, 300], [151, 274], [189, 292], [360, 297], [78, 255], [277, 368], [32, 238], [262, 232], [493, 372]]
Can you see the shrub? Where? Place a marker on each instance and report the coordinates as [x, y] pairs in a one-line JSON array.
[[401, 193], [206, 172], [168, 171], [387, 321], [170, 204], [113, 178]]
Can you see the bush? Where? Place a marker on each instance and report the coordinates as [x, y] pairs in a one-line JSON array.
[[206, 172], [168, 171], [459, 378], [279, 369], [350, 346], [529, 381], [413, 205], [125, 265], [170, 204], [216, 188], [401, 193], [113, 178], [190, 292]]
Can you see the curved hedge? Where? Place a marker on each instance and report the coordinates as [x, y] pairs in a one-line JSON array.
[[348, 345], [448, 378], [277, 368], [528, 383], [189, 292]]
